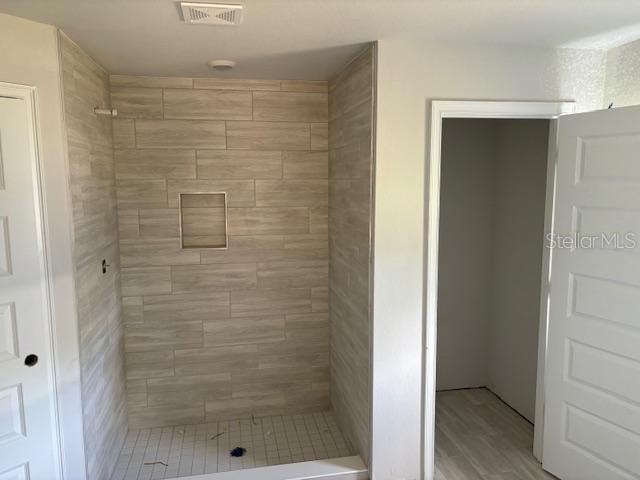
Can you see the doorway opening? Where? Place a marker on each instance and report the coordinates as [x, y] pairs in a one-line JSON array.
[[491, 192]]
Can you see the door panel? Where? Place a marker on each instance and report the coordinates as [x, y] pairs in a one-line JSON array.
[[27, 440], [592, 404]]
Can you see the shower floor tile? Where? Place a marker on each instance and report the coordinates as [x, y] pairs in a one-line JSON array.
[[169, 452]]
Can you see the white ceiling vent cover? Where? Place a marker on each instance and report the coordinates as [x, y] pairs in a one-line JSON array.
[[212, 13]]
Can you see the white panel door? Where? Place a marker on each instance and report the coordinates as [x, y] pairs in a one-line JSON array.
[[27, 441], [592, 405]]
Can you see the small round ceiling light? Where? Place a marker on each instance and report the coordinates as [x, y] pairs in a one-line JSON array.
[[222, 65]]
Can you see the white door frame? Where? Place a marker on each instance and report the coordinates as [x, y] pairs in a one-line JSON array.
[[441, 109], [68, 440]]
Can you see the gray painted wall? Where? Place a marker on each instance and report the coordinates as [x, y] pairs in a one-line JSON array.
[[464, 289], [491, 240], [517, 245]]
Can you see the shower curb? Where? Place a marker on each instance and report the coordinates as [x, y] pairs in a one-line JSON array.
[[345, 468]]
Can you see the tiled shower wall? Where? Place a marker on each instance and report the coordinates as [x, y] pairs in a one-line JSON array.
[[351, 97], [221, 334], [95, 237]]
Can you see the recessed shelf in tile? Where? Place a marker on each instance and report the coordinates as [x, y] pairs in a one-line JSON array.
[[203, 220]]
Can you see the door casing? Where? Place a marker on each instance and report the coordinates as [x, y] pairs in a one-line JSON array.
[[441, 109]]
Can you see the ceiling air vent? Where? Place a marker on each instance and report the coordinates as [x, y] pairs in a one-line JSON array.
[[212, 13]]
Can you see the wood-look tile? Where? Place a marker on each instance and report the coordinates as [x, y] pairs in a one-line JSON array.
[[183, 399], [352, 161], [237, 407], [260, 221], [268, 136], [291, 193], [353, 86], [145, 281], [137, 386], [357, 122], [197, 383], [335, 133], [207, 200], [249, 303], [149, 364], [287, 359], [186, 307], [243, 331], [156, 252], [293, 274], [484, 456], [124, 133], [304, 86], [207, 104], [132, 310], [290, 107], [478, 436], [210, 239], [240, 193], [151, 163], [319, 219], [137, 102], [163, 336], [307, 320], [297, 165], [294, 346], [160, 223], [236, 84], [239, 164], [163, 416], [284, 387], [318, 335], [291, 373], [180, 134], [204, 227], [267, 248], [196, 278], [444, 444], [324, 387], [202, 361], [136, 400], [142, 193], [307, 242], [150, 82], [128, 230], [246, 248], [301, 402], [128, 223], [319, 136], [319, 299]]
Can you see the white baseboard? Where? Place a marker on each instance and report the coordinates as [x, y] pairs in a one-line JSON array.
[[346, 468]]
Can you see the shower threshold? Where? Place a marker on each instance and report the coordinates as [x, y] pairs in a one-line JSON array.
[[347, 468], [277, 447]]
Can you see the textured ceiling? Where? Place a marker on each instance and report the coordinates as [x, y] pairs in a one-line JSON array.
[[311, 39]]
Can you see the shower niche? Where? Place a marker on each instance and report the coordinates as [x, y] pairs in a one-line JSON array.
[[203, 220]]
